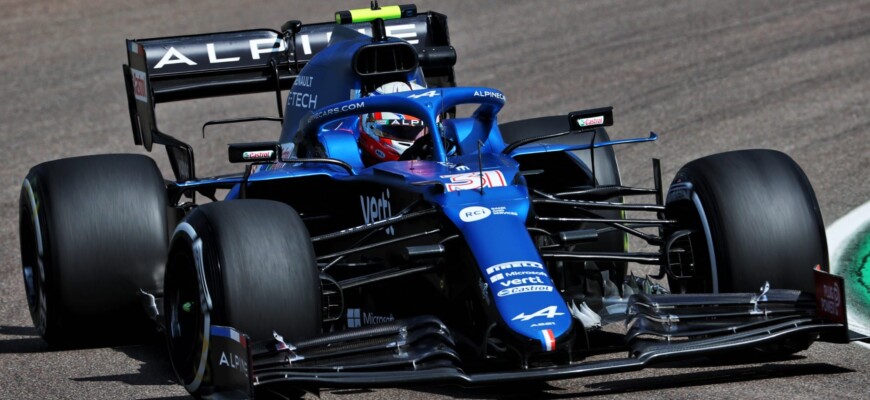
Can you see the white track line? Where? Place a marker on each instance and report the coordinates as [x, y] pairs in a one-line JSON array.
[[839, 233]]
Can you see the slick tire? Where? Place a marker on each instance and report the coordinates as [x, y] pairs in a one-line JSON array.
[[756, 220], [606, 174], [248, 264], [93, 233]]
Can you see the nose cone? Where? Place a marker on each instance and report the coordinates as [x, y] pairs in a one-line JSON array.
[[516, 279]]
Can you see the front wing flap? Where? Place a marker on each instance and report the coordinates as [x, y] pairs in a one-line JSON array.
[[446, 371], [422, 350]]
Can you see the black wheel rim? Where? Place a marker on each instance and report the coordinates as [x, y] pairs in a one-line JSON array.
[[32, 266], [184, 317]]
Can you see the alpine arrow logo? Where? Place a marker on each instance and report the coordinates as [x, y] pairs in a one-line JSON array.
[[549, 312]]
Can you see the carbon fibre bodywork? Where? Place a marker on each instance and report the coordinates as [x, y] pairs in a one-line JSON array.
[[473, 259]]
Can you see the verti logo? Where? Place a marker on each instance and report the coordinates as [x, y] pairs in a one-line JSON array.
[[376, 209]]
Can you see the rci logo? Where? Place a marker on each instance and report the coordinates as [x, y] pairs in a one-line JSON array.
[[474, 213]]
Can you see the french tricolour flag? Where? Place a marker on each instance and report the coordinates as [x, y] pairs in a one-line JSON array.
[[549, 340], [228, 332]]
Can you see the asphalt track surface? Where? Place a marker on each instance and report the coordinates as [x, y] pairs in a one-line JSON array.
[[709, 76]]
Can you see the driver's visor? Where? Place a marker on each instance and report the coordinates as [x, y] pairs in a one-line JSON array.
[[397, 126]]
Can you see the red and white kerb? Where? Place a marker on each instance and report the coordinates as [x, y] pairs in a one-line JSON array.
[[549, 340]]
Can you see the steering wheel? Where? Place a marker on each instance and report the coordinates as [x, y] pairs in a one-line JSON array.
[[420, 150]]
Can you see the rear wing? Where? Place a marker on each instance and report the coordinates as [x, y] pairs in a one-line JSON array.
[[179, 68]]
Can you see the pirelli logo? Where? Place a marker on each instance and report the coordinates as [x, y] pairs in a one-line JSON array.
[[513, 264]]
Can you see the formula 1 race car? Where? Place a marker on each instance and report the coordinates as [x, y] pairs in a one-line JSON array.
[[389, 239]]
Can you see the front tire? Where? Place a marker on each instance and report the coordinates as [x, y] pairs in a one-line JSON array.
[[248, 264], [756, 219]]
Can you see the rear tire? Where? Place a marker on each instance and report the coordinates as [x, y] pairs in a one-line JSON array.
[[257, 262], [606, 174], [93, 233], [606, 167]]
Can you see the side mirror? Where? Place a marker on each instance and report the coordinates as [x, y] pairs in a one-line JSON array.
[[590, 119]]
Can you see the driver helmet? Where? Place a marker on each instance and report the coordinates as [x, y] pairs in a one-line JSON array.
[[385, 135]]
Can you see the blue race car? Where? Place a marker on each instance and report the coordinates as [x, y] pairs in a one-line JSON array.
[[397, 234]]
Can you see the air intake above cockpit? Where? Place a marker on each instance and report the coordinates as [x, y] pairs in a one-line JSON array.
[[385, 58]]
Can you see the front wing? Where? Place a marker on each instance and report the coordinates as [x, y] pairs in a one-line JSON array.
[[422, 350]]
